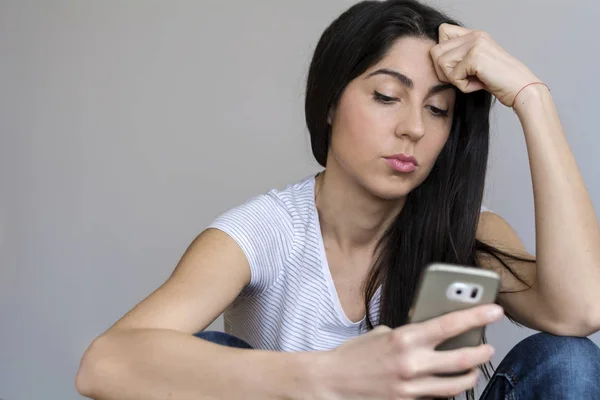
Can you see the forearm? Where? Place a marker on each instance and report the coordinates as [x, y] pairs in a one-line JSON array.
[[567, 231], [161, 364]]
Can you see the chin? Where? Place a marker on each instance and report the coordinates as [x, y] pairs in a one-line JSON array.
[[392, 187]]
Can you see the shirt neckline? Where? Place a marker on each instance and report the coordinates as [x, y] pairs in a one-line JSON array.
[[333, 294]]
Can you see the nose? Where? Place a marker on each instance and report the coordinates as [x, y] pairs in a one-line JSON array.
[[411, 124]]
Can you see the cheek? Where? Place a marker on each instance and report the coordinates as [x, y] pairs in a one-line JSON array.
[[359, 126], [431, 145], [437, 140]]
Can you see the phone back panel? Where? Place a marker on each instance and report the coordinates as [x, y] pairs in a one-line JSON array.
[[432, 298]]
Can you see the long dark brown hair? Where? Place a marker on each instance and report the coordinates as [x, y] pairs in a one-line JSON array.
[[439, 220]]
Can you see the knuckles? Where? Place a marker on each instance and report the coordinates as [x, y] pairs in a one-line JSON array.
[[407, 369], [481, 35], [401, 340], [482, 41]]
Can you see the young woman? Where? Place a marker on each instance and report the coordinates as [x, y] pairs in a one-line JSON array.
[[397, 106]]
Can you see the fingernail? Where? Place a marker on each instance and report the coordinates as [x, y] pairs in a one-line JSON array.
[[495, 312]]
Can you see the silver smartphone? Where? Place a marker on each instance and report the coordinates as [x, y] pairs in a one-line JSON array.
[[444, 288]]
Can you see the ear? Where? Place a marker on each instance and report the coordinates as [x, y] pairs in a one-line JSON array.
[[330, 116]]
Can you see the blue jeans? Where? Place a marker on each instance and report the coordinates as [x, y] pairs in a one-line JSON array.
[[541, 367]]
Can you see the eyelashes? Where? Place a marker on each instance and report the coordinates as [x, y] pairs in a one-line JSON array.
[[438, 112], [381, 98], [387, 100]]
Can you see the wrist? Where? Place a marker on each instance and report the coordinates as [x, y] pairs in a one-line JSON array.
[[529, 97], [313, 371], [326, 378]]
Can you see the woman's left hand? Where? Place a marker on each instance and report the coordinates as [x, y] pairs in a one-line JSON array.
[[472, 60]]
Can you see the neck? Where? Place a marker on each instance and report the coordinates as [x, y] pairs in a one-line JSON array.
[[349, 215]]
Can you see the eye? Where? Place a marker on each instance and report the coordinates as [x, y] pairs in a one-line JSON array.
[[383, 99], [438, 112]]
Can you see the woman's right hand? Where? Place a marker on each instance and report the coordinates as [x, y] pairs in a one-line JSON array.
[[402, 363]]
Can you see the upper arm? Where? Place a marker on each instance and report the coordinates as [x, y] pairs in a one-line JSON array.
[[209, 276], [242, 252], [518, 296]]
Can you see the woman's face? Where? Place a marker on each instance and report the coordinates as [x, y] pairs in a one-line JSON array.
[[397, 109]]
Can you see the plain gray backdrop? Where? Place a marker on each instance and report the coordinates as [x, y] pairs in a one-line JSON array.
[[127, 126]]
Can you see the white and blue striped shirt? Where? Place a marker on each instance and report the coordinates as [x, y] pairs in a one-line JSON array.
[[291, 303]]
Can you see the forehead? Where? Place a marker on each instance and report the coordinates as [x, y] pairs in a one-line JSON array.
[[410, 56]]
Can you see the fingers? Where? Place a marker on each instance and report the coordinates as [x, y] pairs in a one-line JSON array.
[[443, 47], [439, 386], [437, 330], [464, 76], [464, 359], [449, 31], [430, 362], [445, 58], [447, 55], [454, 50]]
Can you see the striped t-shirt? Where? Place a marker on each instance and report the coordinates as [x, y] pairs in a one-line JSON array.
[[291, 303]]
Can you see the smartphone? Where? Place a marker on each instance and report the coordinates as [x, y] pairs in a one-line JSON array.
[[444, 288]]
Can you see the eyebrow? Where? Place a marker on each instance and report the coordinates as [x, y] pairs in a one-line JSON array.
[[408, 83]]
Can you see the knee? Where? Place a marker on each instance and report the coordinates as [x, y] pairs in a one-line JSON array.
[[561, 355], [546, 344]]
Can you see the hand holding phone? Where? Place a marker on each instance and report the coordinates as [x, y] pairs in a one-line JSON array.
[[404, 363], [449, 313]]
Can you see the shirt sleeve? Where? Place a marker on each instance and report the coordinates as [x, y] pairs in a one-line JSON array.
[[484, 209], [263, 229]]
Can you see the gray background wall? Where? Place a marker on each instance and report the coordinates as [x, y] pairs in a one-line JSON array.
[[127, 126]]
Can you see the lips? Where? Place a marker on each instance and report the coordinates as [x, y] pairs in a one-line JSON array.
[[404, 158], [402, 163]]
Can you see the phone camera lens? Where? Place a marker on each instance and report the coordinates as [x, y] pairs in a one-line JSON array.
[[458, 291], [474, 293]]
